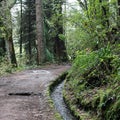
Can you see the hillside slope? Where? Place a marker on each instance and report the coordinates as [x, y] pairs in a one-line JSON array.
[[92, 88]]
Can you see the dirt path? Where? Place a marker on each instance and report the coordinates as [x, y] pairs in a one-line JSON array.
[[23, 95]]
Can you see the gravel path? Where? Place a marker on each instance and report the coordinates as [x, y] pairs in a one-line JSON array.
[[23, 94]]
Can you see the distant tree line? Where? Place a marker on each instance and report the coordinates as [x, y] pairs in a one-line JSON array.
[[39, 32]]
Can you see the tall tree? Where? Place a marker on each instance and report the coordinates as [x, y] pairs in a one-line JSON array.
[[21, 31], [28, 28], [59, 45], [10, 49], [54, 29], [2, 41], [39, 30], [8, 30]]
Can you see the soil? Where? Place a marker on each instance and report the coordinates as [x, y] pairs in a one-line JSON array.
[[23, 95]]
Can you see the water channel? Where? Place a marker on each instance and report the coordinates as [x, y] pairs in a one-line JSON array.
[[59, 103]]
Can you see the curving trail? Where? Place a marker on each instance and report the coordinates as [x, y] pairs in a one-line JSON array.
[[23, 94]]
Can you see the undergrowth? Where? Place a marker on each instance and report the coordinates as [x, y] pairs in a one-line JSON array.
[[5, 66], [93, 84]]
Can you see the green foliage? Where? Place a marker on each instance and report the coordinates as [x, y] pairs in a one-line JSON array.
[[49, 56], [94, 82], [11, 3], [91, 83], [114, 112], [62, 37], [93, 25], [5, 66], [84, 60], [54, 33]]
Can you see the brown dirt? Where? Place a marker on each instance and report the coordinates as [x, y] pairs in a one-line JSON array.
[[23, 95]]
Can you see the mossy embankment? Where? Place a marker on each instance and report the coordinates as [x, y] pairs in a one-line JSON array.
[[92, 88]]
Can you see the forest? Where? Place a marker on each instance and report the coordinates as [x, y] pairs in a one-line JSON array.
[[82, 33]]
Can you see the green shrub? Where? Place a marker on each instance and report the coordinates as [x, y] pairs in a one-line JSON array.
[[94, 82], [5, 66]]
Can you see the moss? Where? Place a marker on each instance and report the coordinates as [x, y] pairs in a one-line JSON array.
[[114, 108], [105, 95], [95, 101], [74, 105], [114, 112], [117, 90]]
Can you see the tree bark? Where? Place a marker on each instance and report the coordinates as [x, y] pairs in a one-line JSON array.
[[10, 48], [29, 32], [11, 51], [8, 35], [21, 36], [39, 29], [59, 45]]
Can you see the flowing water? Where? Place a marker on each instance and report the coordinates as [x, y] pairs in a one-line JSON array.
[[60, 104]]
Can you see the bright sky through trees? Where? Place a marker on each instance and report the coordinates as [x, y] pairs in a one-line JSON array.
[[71, 1]]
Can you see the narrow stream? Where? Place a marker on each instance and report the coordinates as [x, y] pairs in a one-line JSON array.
[[60, 104]]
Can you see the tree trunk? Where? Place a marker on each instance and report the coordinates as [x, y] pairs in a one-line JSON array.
[[8, 38], [21, 36], [105, 11], [2, 47], [105, 20], [59, 45], [39, 29], [11, 51], [29, 31]]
